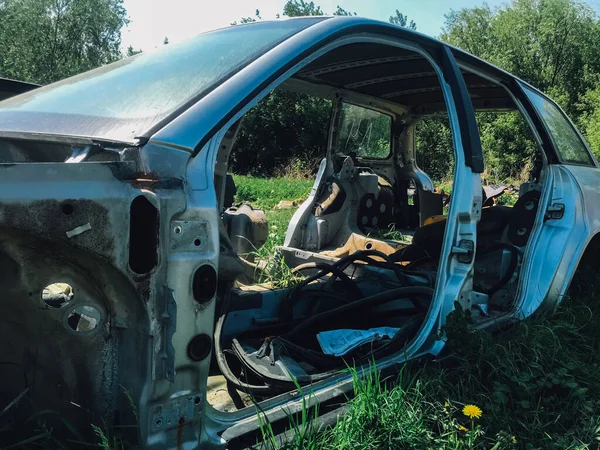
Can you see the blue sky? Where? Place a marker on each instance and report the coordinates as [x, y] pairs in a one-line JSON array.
[[153, 20]]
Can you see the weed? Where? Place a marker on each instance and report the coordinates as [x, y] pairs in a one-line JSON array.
[[390, 234], [298, 169], [303, 429], [277, 273]]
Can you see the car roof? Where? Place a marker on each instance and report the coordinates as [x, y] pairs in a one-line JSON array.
[[366, 69], [357, 21]]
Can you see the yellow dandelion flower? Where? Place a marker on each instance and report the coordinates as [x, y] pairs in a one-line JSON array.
[[472, 411], [446, 405], [462, 428]]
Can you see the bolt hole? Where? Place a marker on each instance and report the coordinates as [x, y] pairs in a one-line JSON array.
[[204, 284], [83, 318], [199, 347], [197, 401], [158, 423], [197, 242], [369, 246], [57, 295], [67, 209], [177, 230]]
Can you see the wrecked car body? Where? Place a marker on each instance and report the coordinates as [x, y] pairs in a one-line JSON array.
[[131, 296]]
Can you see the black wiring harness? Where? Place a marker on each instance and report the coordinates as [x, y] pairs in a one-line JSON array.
[[289, 330]]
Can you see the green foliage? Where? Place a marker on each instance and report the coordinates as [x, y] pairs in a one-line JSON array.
[[286, 127], [538, 385], [390, 234], [299, 8], [550, 43], [268, 192], [248, 19], [434, 148], [342, 12], [305, 429], [542, 371], [46, 40], [506, 140], [402, 20], [282, 127], [132, 51], [590, 118], [508, 146]]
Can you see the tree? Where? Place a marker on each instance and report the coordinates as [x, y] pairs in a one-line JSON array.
[[249, 19], [342, 12], [46, 40], [589, 121], [401, 20], [132, 51], [166, 41], [549, 43], [552, 44], [282, 127], [298, 8]]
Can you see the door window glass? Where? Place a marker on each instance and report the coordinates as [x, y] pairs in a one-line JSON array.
[[364, 132], [568, 144]]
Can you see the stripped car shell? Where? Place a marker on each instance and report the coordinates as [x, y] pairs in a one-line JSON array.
[[120, 218]]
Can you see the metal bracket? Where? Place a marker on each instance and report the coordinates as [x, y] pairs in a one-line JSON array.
[[555, 212], [464, 251], [175, 412]]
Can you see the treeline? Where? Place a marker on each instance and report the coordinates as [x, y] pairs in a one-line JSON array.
[[553, 44], [42, 41]]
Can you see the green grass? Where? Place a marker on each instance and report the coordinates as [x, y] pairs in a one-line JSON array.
[[538, 385], [266, 193]]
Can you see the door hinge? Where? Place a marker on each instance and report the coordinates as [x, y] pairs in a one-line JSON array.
[[464, 251], [554, 212]]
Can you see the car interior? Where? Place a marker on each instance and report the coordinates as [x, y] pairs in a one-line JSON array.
[[360, 293]]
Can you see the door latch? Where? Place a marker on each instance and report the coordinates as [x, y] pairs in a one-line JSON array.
[[554, 212], [464, 251]]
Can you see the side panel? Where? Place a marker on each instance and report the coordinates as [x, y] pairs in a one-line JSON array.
[[555, 253]]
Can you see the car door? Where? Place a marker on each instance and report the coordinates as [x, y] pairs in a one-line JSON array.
[[568, 219]]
